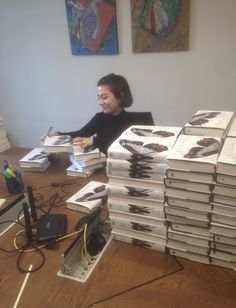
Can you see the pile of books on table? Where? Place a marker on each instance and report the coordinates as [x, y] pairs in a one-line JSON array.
[[85, 161], [190, 182], [58, 144], [223, 226], [36, 160], [136, 167], [4, 143]]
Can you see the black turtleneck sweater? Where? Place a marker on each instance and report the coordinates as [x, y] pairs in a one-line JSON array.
[[107, 128]]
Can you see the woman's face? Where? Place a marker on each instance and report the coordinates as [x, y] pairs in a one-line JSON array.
[[109, 103]]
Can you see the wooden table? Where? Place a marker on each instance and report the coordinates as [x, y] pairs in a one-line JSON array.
[[126, 276]]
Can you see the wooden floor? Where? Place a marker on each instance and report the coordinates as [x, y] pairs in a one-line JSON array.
[[126, 276]]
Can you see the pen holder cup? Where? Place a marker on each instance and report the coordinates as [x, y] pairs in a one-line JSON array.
[[15, 185]]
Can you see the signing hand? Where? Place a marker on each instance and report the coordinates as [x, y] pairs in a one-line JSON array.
[[83, 142]]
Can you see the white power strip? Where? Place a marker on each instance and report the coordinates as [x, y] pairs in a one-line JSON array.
[[85, 268]]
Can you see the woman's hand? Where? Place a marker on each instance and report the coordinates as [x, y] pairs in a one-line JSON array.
[[84, 142], [53, 133]]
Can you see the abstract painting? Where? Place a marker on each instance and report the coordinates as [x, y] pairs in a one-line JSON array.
[[160, 25], [92, 26]]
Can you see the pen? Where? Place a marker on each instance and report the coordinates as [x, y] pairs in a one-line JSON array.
[[50, 129]]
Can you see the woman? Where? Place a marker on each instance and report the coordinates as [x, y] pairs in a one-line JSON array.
[[114, 96]]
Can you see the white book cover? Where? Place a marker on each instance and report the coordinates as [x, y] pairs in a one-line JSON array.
[[222, 255], [137, 209], [223, 229], [137, 183], [225, 190], [136, 201], [188, 238], [139, 239], [195, 153], [229, 240], [73, 171], [61, 143], [191, 176], [224, 219], [232, 129], [226, 179], [88, 198], [227, 160], [187, 213], [152, 131], [34, 158], [86, 163], [223, 263], [187, 221], [142, 176], [85, 153], [224, 199], [188, 185], [191, 229], [222, 209], [131, 146], [134, 192], [187, 194], [174, 244], [189, 255], [145, 167], [189, 204], [209, 122]]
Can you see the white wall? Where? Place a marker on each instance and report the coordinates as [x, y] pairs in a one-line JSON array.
[[42, 84]]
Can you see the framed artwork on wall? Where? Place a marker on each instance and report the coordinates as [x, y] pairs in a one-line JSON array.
[[160, 25], [92, 27]]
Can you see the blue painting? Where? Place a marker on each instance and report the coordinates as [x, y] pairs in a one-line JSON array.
[[92, 27]]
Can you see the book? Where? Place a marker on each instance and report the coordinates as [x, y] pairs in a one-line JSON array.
[[224, 219], [222, 209], [222, 255], [136, 183], [73, 171], [191, 176], [224, 190], [156, 211], [85, 153], [37, 159], [87, 199], [182, 246], [89, 163], [2, 202], [222, 229], [189, 204], [187, 194], [226, 163], [189, 255], [208, 122], [191, 229], [218, 238], [186, 221], [226, 179], [154, 147], [188, 185], [134, 192], [223, 199], [232, 129], [135, 201], [55, 144], [223, 263], [195, 153], [133, 166], [188, 238], [187, 213], [139, 239]]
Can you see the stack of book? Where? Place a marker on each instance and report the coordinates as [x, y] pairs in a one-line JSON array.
[[136, 167], [36, 160], [4, 143], [223, 227], [57, 144], [85, 161], [189, 184]]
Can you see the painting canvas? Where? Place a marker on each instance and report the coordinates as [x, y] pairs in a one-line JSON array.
[[160, 25], [92, 26]]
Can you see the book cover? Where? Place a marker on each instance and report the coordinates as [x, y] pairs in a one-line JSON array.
[[156, 211], [56, 144], [35, 158], [224, 219], [187, 221], [195, 153], [222, 209], [189, 204], [135, 192], [88, 198], [223, 263], [191, 176], [188, 185], [136, 176], [73, 171], [85, 153], [187, 213], [229, 240], [224, 247], [223, 199], [39, 168], [187, 194], [188, 238], [189, 255], [191, 229], [139, 239], [232, 129], [81, 164], [208, 122], [223, 229], [182, 246], [154, 147], [136, 183], [226, 163], [224, 190], [226, 179], [133, 167], [222, 255], [136, 201]]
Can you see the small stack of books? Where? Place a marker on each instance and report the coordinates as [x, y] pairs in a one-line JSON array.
[[57, 144], [136, 167], [85, 161], [89, 198], [223, 227], [4, 143], [189, 184], [36, 160]]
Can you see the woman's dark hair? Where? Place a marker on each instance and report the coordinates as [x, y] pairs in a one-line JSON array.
[[119, 86]]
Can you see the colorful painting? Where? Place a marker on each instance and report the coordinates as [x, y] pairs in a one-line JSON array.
[[92, 27], [160, 25]]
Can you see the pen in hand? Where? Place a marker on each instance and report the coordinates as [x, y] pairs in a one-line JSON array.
[[49, 131]]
